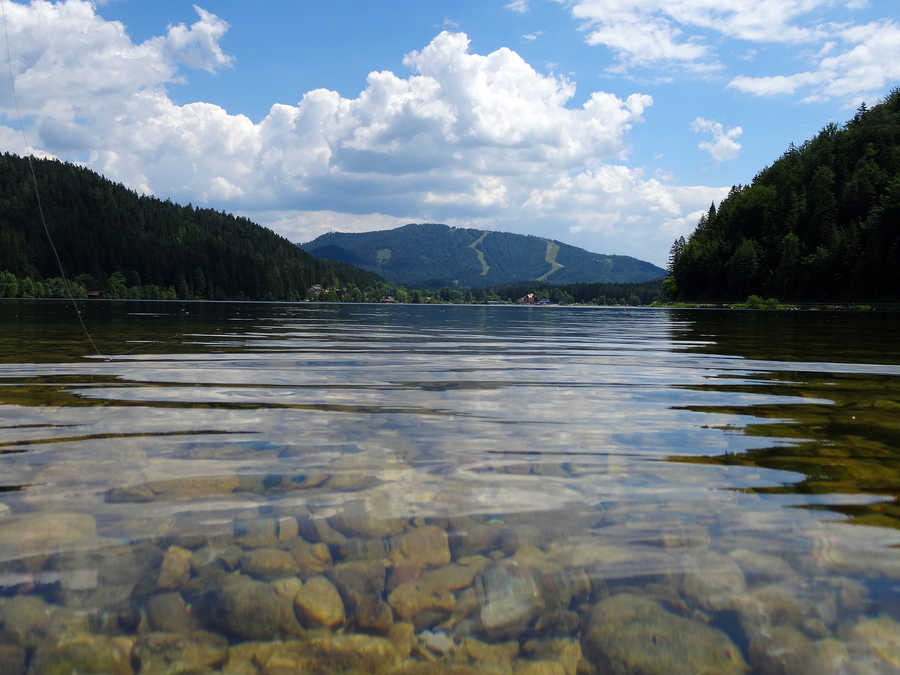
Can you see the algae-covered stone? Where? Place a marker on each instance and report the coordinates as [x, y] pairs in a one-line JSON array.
[[374, 616], [31, 622], [771, 605], [325, 653], [509, 598], [311, 559], [358, 582], [83, 653], [456, 576], [318, 603], [564, 651], [245, 608], [269, 563], [631, 634], [168, 612], [784, 650], [712, 581], [422, 547], [487, 656], [523, 667], [165, 653], [411, 599], [176, 568]]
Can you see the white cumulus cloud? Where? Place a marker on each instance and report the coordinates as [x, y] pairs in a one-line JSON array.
[[866, 60], [723, 145], [481, 140]]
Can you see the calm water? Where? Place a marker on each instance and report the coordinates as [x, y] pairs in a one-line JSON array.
[[267, 488]]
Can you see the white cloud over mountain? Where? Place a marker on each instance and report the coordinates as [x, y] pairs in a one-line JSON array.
[[464, 138]]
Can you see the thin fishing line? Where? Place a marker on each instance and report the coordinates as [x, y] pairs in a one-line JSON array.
[[37, 192]]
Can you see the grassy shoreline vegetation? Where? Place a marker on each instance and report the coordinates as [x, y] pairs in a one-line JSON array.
[[818, 225]]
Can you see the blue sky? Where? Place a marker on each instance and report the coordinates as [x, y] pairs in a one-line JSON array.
[[608, 124]]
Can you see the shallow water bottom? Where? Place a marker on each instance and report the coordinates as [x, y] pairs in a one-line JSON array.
[[280, 489], [636, 585]]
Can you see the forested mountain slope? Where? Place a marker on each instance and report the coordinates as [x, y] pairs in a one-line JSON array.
[[431, 255], [101, 228], [821, 223]]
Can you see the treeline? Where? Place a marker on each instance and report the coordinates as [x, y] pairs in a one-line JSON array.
[[586, 293], [109, 236], [116, 286], [821, 223]]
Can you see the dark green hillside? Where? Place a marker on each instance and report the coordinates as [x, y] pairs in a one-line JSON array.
[[432, 256], [821, 223], [101, 228]]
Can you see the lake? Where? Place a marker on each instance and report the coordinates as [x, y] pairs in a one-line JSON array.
[[274, 488]]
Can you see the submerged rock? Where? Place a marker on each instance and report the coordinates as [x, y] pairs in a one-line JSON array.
[[321, 653], [176, 568], [783, 650], [168, 612], [509, 598], [247, 609], [631, 634], [311, 559], [165, 653], [269, 563], [358, 520], [421, 547], [411, 600], [318, 603], [712, 581], [83, 653], [30, 622], [566, 652]]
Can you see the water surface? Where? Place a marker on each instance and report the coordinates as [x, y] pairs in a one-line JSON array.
[[366, 488]]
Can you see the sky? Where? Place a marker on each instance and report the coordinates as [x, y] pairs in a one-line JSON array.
[[606, 124]]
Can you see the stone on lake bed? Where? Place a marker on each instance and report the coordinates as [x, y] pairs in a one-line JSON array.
[[269, 563], [83, 653], [631, 634], [356, 519], [176, 568], [245, 608], [421, 547], [165, 653], [410, 599], [509, 598], [168, 612], [712, 581], [318, 603], [311, 559]]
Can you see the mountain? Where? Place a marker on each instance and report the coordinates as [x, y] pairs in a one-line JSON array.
[[821, 223], [104, 231], [431, 256]]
